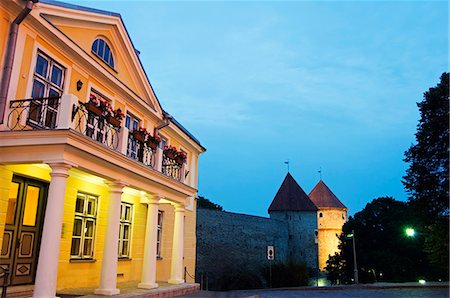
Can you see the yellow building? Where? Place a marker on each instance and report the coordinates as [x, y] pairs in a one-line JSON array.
[[97, 181], [331, 216]]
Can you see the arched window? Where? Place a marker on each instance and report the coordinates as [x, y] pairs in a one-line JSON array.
[[320, 214], [103, 51]]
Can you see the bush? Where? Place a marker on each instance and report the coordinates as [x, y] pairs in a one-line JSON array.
[[287, 275], [239, 279]]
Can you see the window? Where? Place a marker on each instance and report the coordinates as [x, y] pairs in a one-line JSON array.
[[320, 214], [159, 234], [163, 142], [126, 211], [84, 227], [47, 88], [132, 123], [103, 51]]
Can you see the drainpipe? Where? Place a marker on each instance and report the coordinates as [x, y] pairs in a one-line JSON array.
[[9, 55], [166, 118]]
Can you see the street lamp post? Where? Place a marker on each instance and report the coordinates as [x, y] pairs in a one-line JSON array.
[[355, 270]]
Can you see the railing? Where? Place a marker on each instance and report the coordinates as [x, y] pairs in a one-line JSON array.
[[33, 113], [95, 126], [171, 168], [141, 152], [67, 112]]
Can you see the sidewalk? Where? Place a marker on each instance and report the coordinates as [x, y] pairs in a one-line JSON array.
[[130, 289]]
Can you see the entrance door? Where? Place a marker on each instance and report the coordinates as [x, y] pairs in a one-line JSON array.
[[23, 227]]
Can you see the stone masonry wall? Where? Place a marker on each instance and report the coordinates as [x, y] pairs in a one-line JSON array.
[[227, 242], [301, 244]]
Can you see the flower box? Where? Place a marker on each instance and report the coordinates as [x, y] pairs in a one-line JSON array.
[[152, 143], [139, 136], [113, 121], [91, 107], [169, 154], [180, 159]]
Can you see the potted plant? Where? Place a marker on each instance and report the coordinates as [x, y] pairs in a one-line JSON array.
[[180, 158], [170, 152], [153, 141], [93, 105], [115, 118], [140, 134]]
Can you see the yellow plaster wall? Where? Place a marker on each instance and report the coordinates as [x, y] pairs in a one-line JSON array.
[[190, 242], [24, 68], [5, 181], [4, 27], [84, 37], [330, 225], [163, 264]]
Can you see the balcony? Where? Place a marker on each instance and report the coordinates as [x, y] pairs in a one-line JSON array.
[[67, 112]]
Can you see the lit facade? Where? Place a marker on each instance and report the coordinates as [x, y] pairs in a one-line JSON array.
[[97, 181], [331, 217]]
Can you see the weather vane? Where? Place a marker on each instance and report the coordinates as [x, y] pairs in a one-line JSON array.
[[320, 173], [287, 163]]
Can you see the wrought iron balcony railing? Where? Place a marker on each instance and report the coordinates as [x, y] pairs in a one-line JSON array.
[[67, 112], [140, 151], [171, 168], [95, 126], [34, 113]]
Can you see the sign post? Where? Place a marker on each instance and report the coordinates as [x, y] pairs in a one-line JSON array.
[[270, 257]]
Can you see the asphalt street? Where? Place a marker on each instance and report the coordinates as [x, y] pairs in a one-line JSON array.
[[338, 293]]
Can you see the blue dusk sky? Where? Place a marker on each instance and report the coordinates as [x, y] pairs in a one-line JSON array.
[[326, 84]]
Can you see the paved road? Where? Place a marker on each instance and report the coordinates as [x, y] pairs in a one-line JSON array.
[[338, 293]]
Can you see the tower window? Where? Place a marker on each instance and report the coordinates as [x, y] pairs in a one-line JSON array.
[[103, 51], [320, 214]]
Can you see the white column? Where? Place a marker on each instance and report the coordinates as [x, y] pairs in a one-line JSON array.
[[123, 140], [109, 264], [47, 270], [65, 111], [176, 270], [148, 278], [183, 172], [159, 159]]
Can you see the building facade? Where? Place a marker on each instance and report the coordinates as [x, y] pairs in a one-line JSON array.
[[97, 180]]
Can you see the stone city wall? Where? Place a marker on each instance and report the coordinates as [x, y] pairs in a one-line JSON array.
[[230, 242]]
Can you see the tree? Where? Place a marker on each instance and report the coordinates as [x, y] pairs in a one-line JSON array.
[[204, 203], [381, 245], [426, 179]]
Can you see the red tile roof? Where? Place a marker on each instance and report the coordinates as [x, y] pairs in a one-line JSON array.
[[291, 197], [323, 197]]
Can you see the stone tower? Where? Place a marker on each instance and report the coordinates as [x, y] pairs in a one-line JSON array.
[[331, 216], [293, 206]]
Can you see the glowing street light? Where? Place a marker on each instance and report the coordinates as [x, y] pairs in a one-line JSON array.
[[355, 267], [410, 232]]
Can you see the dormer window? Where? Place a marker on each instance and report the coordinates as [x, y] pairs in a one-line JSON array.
[[103, 51]]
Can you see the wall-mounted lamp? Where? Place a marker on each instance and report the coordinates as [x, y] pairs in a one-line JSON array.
[[79, 85]]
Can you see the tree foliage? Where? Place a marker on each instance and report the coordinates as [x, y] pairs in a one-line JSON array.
[[426, 179], [204, 203], [383, 250]]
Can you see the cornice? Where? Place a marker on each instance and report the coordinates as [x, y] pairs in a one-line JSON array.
[[77, 142]]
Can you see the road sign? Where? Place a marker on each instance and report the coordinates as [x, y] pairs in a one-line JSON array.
[[270, 253]]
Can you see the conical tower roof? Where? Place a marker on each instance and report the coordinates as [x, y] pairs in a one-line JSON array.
[[291, 197], [323, 197]]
